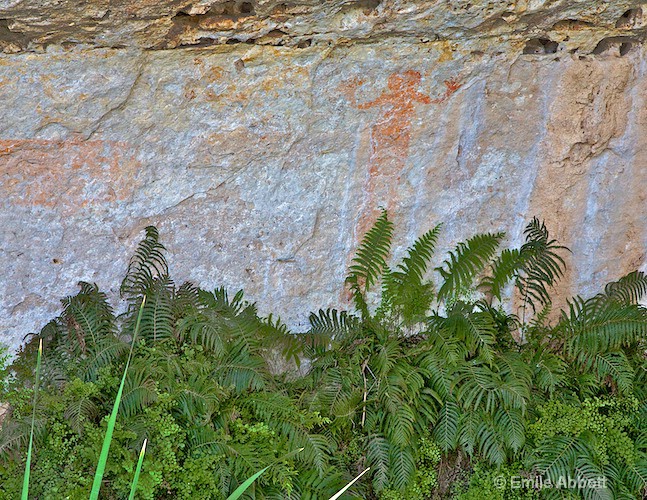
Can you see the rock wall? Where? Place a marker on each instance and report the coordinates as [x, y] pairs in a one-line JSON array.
[[260, 137]]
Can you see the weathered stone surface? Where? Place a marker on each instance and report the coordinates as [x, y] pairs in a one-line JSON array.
[[259, 162], [540, 25]]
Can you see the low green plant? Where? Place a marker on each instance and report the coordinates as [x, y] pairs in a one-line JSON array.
[[459, 359]]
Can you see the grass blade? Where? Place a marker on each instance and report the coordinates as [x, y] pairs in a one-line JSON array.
[[241, 489], [341, 492], [133, 488], [25, 481], [105, 448]]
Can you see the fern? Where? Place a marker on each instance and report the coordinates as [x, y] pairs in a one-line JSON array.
[[446, 430], [88, 317], [147, 264], [79, 410], [139, 392], [378, 458], [594, 326], [402, 465], [444, 368], [543, 265], [476, 330], [369, 262], [627, 290], [465, 263], [158, 321], [405, 290]]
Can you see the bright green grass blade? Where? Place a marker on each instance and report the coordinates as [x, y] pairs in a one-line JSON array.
[[105, 448], [241, 489], [341, 492], [25, 481], [133, 488]]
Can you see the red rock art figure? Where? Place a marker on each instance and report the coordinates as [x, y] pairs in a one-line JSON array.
[[390, 139]]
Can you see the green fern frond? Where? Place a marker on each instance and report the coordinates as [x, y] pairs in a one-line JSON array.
[[240, 369], [204, 439], [445, 432], [79, 410], [276, 337], [414, 265], [140, 391], [635, 476], [511, 425], [614, 366], [542, 265], [370, 260], [378, 458], [331, 324], [147, 263], [477, 387], [557, 456], [198, 398], [627, 290], [88, 317], [157, 321], [325, 327], [465, 263], [548, 370], [202, 328], [218, 301], [592, 326], [283, 416], [310, 485], [186, 300], [405, 290], [477, 330], [402, 466], [517, 379], [400, 425], [14, 434], [506, 267], [107, 351], [489, 442]]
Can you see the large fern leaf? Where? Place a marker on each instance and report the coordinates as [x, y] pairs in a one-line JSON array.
[[465, 263], [627, 290], [377, 457], [147, 263], [88, 317], [542, 264], [402, 466], [157, 321], [370, 260], [445, 432]]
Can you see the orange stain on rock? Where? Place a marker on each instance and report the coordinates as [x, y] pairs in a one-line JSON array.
[[390, 137], [69, 175], [213, 74]]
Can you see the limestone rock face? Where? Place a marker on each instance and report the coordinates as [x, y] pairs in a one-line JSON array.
[[260, 137]]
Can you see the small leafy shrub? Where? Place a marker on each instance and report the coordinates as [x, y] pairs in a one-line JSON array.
[[467, 360]]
